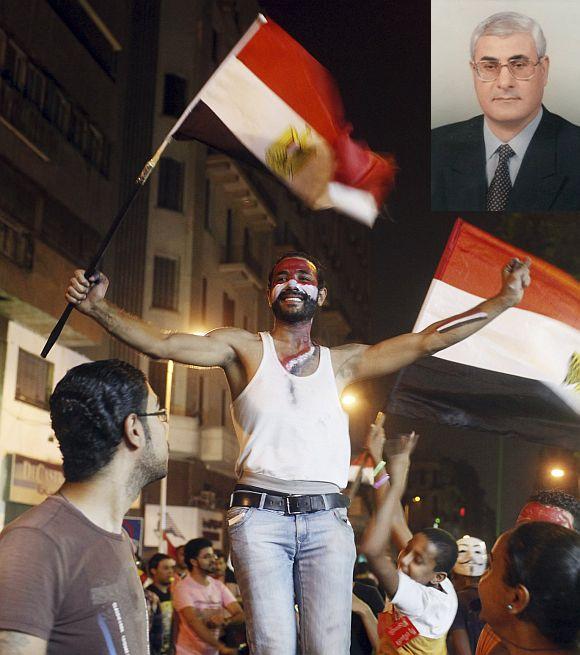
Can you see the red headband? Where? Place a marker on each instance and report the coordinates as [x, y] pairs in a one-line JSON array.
[[538, 512]]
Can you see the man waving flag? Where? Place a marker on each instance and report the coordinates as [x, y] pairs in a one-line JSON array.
[[520, 374], [271, 103]]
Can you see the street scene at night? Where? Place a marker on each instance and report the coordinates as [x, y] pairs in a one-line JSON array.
[[290, 327]]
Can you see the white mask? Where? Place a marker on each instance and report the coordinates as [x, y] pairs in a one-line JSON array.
[[472, 558]]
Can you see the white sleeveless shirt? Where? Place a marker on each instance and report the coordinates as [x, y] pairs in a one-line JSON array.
[[290, 427]]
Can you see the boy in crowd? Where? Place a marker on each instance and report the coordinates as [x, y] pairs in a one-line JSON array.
[[422, 599]]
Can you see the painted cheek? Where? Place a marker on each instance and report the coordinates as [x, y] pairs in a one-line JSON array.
[[310, 289]]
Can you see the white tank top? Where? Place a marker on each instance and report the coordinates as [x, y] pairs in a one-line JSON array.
[[291, 427]]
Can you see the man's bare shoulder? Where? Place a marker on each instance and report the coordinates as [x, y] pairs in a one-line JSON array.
[[234, 336], [341, 354]]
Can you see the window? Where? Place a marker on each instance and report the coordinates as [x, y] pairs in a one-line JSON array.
[[35, 85], [15, 65], [208, 206], [224, 406], [33, 379], [203, 300], [158, 379], [170, 192], [200, 399], [165, 283], [174, 95], [229, 311], [77, 129], [3, 41]]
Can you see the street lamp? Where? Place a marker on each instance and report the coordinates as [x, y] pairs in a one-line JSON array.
[[348, 400]]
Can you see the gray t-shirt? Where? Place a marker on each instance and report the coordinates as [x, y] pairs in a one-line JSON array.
[[65, 580]]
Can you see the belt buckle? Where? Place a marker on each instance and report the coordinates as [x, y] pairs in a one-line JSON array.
[[298, 510]]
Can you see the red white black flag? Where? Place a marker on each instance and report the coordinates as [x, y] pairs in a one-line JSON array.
[[272, 104], [518, 375]]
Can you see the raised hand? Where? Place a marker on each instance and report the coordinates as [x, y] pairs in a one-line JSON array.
[[83, 293], [399, 456], [516, 279]]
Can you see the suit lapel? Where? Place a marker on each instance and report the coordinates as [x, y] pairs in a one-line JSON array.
[[465, 175], [538, 182]]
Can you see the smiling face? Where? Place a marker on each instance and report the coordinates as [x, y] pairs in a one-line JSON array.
[[506, 101], [293, 292]]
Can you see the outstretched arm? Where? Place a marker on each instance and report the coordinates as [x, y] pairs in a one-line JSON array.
[[89, 298], [393, 354], [379, 530]]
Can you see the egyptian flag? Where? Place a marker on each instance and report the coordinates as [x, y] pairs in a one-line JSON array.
[[520, 374], [271, 104]]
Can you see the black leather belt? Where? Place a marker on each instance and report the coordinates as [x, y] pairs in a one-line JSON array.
[[288, 504]]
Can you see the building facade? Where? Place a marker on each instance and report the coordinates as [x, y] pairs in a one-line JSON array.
[[195, 250]]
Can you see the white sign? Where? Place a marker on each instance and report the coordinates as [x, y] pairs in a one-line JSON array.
[[184, 523]]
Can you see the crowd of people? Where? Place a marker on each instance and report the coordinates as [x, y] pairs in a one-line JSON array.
[[440, 595], [290, 540]]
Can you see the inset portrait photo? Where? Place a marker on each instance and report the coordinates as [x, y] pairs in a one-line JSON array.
[[505, 105]]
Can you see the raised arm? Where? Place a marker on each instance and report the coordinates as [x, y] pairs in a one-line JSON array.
[[393, 354], [89, 298], [378, 533]]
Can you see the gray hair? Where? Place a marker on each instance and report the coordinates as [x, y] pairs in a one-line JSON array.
[[506, 23]]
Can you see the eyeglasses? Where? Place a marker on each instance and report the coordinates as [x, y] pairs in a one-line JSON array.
[[521, 68], [162, 413]]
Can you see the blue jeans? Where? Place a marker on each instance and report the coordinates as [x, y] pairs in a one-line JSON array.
[[303, 559]]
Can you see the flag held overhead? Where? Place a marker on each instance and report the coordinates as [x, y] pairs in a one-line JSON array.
[[518, 375], [270, 103]]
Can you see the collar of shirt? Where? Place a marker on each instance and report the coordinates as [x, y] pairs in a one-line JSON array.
[[519, 144]]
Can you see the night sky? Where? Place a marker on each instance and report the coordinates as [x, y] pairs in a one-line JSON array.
[[378, 52]]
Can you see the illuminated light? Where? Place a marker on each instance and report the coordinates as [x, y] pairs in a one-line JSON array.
[[557, 473], [417, 499], [462, 511], [438, 520], [348, 400]]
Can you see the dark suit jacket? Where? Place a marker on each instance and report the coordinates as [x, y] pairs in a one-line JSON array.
[[548, 179]]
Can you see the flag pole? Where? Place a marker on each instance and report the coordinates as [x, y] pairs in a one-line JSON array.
[[140, 183]]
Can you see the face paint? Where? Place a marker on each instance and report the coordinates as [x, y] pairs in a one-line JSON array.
[[294, 273], [538, 512], [293, 362]]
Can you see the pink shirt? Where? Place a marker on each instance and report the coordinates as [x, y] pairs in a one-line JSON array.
[[205, 600]]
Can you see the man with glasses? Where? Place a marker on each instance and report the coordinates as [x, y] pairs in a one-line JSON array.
[[68, 581], [518, 156]]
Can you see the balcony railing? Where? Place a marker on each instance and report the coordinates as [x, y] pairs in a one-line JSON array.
[[17, 245]]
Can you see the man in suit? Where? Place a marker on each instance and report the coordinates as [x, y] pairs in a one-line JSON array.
[[517, 156]]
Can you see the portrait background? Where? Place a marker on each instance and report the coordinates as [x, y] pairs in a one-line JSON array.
[[452, 22]]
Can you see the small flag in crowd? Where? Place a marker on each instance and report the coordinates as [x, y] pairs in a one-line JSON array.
[[519, 375], [272, 104]]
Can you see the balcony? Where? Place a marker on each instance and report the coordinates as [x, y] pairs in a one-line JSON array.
[[16, 244], [240, 268], [184, 437], [219, 449], [242, 192], [22, 117]]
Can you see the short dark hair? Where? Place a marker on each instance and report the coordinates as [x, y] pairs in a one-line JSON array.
[[446, 548], [545, 559], [193, 548], [302, 255], [88, 408], [155, 561], [557, 498]]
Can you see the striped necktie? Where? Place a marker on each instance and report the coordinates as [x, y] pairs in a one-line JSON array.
[[501, 185]]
